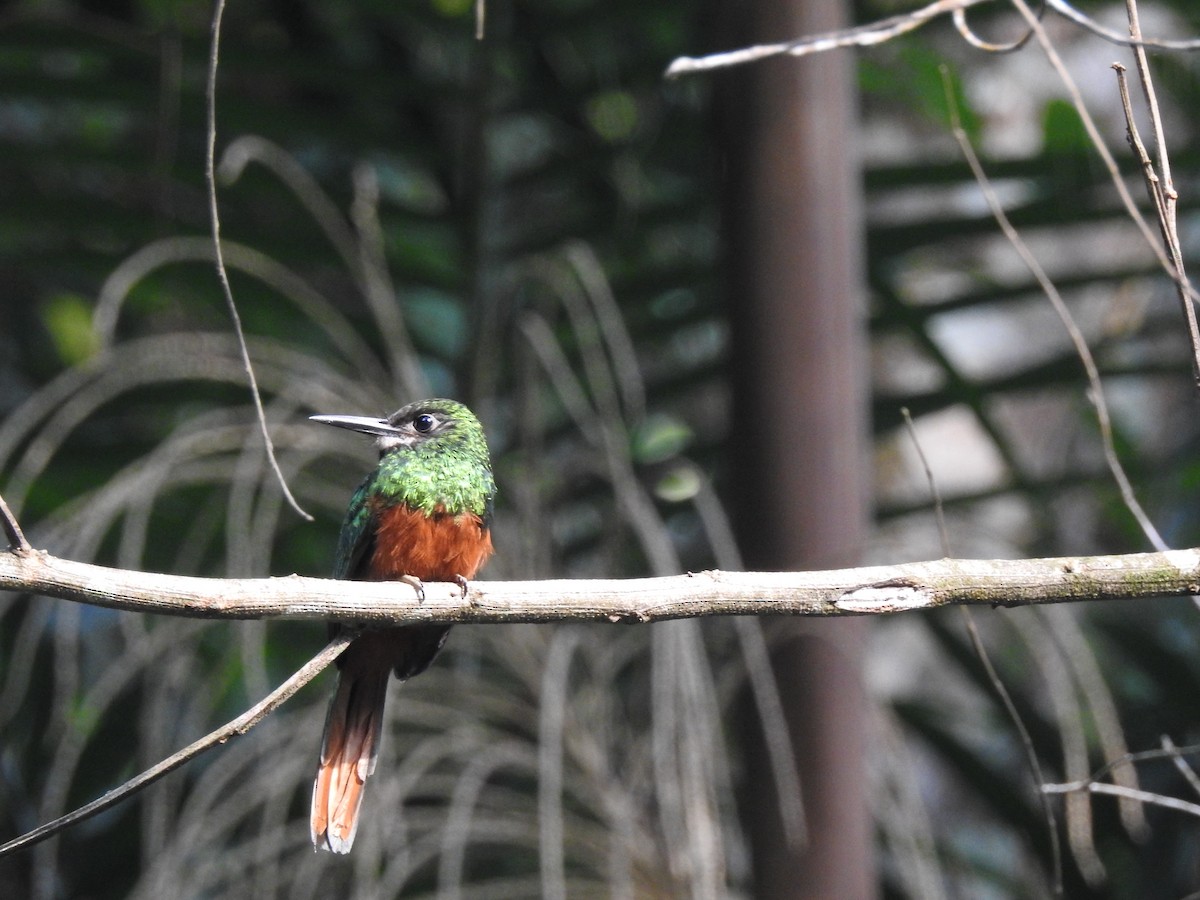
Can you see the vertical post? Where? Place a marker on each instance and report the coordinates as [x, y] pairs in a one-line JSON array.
[[799, 436]]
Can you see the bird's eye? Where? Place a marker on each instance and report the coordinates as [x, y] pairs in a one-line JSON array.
[[424, 423]]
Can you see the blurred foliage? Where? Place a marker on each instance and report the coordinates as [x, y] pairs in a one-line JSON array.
[[543, 209], [500, 194], [965, 340]]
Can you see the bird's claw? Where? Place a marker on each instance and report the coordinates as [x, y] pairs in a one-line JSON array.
[[462, 584], [416, 584]]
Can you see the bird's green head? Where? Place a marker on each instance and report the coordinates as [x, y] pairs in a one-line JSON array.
[[432, 454]]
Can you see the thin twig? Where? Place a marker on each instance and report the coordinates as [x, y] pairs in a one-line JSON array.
[[1093, 132], [232, 729], [1092, 784], [1067, 11], [1115, 790], [1031, 757], [1161, 190], [861, 36], [210, 179], [993, 676], [938, 511], [968, 34], [1144, 756], [1095, 389], [12, 530], [1147, 82], [1181, 764], [1153, 187], [885, 30]]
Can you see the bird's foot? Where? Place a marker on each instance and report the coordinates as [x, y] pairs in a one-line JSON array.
[[462, 584], [416, 584]]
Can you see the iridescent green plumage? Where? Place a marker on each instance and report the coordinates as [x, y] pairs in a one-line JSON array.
[[447, 471], [423, 514]]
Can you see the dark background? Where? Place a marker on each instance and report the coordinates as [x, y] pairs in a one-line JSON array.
[[689, 313]]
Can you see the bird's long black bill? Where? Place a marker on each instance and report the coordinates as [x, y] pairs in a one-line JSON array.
[[364, 424]]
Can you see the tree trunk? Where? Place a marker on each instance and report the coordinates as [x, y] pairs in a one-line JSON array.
[[799, 441]]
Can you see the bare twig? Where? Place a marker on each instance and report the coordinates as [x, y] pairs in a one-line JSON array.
[[1093, 132], [1153, 186], [1147, 82], [892, 27], [862, 36], [1095, 389], [1115, 790], [1010, 708], [1093, 785], [235, 728], [1181, 764], [1161, 190], [870, 590], [938, 510], [359, 242], [12, 530], [1031, 757], [1137, 40], [887, 29], [969, 35], [1169, 751], [210, 179]]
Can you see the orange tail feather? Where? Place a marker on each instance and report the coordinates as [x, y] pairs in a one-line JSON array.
[[349, 750]]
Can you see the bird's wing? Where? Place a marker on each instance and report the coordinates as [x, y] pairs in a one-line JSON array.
[[357, 537]]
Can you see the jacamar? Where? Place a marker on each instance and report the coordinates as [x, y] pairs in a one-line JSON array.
[[424, 514]]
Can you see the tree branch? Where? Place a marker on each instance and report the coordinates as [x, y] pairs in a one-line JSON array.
[[1115, 790], [232, 729], [883, 30], [12, 531], [846, 592]]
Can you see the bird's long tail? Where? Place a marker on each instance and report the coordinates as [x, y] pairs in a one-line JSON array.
[[349, 750]]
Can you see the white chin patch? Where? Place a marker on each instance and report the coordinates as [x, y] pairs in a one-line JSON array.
[[391, 442]]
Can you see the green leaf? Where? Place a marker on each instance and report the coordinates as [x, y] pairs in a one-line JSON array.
[[68, 319], [659, 438], [613, 115], [680, 484], [1062, 129]]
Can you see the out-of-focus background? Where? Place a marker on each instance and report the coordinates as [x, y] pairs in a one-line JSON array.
[[689, 313]]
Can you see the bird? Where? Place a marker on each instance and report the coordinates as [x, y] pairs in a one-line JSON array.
[[423, 514]]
